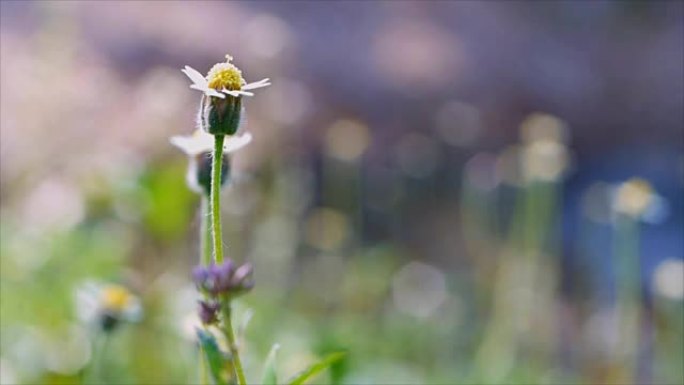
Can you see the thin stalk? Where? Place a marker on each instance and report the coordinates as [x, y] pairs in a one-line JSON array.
[[203, 368], [205, 260], [205, 232], [216, 197], [629, 299], [93, 373], [218, 251], [230, 336]]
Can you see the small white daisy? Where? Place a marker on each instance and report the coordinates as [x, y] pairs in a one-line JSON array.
[[223, 78], [201, 142], [98, 302], [636, 198]]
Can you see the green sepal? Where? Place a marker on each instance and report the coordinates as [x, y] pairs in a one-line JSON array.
[[222, 115], [316, 368]]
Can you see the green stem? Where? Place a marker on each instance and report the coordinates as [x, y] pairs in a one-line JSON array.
[[203, 368], [205, 232], [628, 275], [230, 336], [218, 250], [93, 373], [216, 197]]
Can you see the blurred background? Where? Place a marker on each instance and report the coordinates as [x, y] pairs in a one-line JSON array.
[[443, 189]]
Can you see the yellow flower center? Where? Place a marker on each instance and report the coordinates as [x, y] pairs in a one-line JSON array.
[[115, 298], [225, 75]]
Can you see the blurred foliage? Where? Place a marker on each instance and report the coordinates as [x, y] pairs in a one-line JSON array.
[[386, 204]]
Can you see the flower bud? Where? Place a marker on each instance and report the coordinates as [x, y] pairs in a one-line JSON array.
[[208, 312], [243, 277], [224, 278], [221, 116], [199, 172]]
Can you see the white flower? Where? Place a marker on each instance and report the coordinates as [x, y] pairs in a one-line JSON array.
[[544, 160], [636, 198], [223, 78], [668, 279], [201, 142], [97, 300]]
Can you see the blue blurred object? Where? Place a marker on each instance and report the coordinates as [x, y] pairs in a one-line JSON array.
[[588, 244]]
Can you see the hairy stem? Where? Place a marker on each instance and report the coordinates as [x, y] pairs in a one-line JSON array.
[[230, 336], [216, 198], [218, 251]]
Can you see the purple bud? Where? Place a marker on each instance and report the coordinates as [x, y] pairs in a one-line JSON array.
[[208, 312], [223, 274], [243, 278], [224, 278], [200, 275]]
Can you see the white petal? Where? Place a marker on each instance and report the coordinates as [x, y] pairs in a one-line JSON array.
[[241, 92], [199, 87], [231, 93], [254, 85], [195, 144], [657, 211], [234, 143], [213, 92], [265, 80], [243, 120], [208, 91], [182, 142], [195, 76]]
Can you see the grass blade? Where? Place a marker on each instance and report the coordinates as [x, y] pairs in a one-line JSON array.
[[316, 368], [270, 375]]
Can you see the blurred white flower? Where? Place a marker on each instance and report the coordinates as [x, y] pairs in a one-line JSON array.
[[223, 78], [419, 289], [202, 142], [544, 156], [106, 304], [668, 279], [544, 160], [636, 198], [540, 126], [347, 140], [198, 147]]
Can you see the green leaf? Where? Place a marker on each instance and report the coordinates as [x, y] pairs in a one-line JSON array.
[[214, 356], [270, 376], [316, 368]]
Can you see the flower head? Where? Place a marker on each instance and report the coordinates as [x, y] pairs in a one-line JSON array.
[[107, 304], [224, 278], [636, 198], [223, 79], [544, 155], [220, 110]]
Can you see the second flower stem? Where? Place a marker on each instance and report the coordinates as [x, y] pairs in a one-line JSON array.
[[205, 232], [216, 197]]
